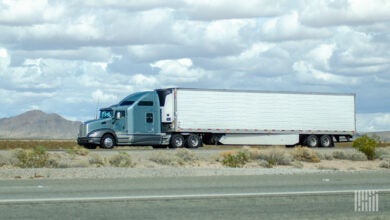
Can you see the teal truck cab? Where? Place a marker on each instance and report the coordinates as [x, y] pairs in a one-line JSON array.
[[133, 121]]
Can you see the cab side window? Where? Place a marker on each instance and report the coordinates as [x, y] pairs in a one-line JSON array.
[[145, 103], [149, 117], [120, 114]]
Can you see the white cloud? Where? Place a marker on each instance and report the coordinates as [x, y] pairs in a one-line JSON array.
[[354, 12], [321, 55], [71, 53], [24, 12], [4, 60], [308, 74], [100, 96], [178, 71], [227, 9], [372, 122], [142, 80], [288, 27]]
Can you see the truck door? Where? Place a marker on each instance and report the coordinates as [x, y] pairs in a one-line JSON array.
[[119, 124], [146, 126], [145, 122], [149, 122]]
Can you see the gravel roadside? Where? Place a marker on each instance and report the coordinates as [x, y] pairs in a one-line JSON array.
[[203, 164], [112, 173]]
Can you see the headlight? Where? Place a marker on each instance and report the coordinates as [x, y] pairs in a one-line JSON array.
[[94, 134]]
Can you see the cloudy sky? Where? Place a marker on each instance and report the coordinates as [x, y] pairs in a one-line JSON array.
[[70, 57]]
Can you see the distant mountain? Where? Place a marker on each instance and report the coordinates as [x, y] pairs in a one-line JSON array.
[[383, 135], [38, 125]]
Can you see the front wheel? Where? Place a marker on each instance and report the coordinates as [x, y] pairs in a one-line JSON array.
[[107, 141]]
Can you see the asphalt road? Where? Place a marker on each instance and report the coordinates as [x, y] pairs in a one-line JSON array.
[[305, 196]]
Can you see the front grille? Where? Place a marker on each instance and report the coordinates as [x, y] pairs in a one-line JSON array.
[[83, 130]]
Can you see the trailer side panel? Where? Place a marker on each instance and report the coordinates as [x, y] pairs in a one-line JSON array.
[[223, 111]]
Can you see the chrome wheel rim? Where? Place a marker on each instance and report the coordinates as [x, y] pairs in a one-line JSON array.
[[178, 142], [108, 142]]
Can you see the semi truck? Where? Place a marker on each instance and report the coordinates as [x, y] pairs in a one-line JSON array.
[[184, 117]]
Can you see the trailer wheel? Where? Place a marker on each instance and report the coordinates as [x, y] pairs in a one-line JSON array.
[[107, 141], [194, 141], [325, 141], [177, 141], [312, 141]]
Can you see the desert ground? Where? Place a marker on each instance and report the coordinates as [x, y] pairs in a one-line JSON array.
[[78, 162]]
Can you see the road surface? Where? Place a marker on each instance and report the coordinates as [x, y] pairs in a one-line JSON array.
[[299, 196]]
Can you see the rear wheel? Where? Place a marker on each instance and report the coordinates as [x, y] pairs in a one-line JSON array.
[[177, 141], [194, 141], [326, 141], [107, 141], [312, 141]]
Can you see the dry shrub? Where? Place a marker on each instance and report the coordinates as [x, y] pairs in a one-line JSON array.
[[234, 158], [385, 164], [3, 161], [264, 163], [297, 164], [29, 144], [185, 155], [366, 145], [339, 155], [325, 156], [382, 153], [8, 160], [96, 159], [358, 156], [305, 154], [275, 156], [35, 158], [77, 150], [349, 155], [122, 159], [252, 153], [164, 158]]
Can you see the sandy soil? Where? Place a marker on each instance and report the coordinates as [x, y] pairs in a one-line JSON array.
[[167, 163]]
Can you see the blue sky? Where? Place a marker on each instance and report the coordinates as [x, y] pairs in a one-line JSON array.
[[70, 57]]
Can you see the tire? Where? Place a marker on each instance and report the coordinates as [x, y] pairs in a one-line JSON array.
[[326, 141], [312, 141], [107, 141], [194, 141], [177, 141]]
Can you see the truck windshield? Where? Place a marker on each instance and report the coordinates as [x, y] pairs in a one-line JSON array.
[[105, 114]]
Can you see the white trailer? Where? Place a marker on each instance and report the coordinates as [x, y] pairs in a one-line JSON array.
[[256, 117]]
